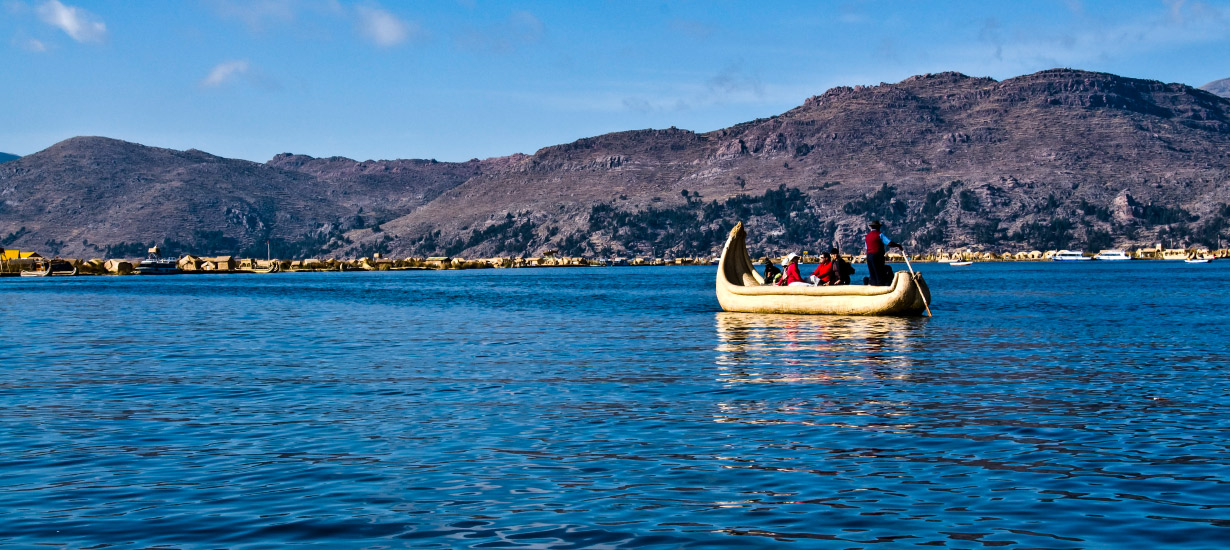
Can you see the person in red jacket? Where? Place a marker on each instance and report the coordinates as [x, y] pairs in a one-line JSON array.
[[877, 245], [792, 277], [825, 273]]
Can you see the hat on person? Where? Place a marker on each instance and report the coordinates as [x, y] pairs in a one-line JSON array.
[[789, 257], [875, 224]]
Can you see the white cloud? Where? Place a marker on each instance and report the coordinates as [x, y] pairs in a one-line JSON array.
[[81, 25], [33, 45], [225, 73], [383, 28]]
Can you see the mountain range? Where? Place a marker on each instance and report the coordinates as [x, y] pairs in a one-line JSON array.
[[5, 157], [1219, 87], [1056, 159]]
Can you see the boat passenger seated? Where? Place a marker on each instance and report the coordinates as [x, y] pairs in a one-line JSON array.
[[825, 273], [843, 268], [771, 273], [792, 277]]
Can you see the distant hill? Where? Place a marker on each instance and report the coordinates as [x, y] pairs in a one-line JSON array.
[[1053, 159], [5, 157], [1056, 159], [92, 196], [1219, 87]]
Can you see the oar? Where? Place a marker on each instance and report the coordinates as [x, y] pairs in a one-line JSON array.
[[913, 275]]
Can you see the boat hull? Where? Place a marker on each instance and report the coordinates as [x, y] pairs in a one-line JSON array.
[[157, 266], [49, 272], [740, 288]]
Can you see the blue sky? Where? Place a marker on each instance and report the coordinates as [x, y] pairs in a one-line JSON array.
[[460, 79]]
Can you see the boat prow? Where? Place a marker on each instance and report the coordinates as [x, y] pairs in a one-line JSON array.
[[741, 288]]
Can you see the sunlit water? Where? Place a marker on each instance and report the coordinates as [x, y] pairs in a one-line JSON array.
[[1043, 406]]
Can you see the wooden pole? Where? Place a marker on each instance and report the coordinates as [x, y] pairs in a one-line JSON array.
[[913, 275]]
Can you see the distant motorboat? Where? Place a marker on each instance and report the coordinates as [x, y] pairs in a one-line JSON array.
[[155, 264], [1111, 255], [960, 264], [1069, 256], [1197, 260]]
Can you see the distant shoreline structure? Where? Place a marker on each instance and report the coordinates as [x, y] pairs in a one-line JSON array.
[[16, 262]]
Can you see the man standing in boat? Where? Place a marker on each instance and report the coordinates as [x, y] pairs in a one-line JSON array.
[[877, 245]]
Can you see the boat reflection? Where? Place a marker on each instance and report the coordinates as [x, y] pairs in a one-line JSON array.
[[858, 361], [790, 348]]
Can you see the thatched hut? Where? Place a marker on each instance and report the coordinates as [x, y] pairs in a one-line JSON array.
[[94, 266], [189, 263], [218, 263], [118, 266]]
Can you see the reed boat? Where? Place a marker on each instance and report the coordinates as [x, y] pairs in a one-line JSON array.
[[51, 268], [741, 288]]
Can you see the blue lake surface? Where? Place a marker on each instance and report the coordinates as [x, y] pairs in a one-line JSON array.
[[1045, 405]]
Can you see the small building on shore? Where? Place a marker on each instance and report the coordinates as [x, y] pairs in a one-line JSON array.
[[218, 264], [118, 266], [189, 263]]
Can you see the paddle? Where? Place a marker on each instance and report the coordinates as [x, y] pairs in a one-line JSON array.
[[912, 274]]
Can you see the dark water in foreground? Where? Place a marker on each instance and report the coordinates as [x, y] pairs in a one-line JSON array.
[[1044, 406]]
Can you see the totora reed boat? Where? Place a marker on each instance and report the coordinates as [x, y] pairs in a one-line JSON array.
[[741, 288]]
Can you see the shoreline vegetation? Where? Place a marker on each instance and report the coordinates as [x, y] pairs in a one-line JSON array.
[[16, 262]]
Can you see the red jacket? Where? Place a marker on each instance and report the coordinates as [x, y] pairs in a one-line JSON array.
[[874, 244], [826, 272], [792, 275]]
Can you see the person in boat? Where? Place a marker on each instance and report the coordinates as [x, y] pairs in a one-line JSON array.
[[792, 277], [771, 272], [843, 268], [825, 273], [877, 245]]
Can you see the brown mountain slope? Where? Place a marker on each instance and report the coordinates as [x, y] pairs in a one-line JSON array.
[[89, 196], [1219, 87], [947, 159], [383, 188], [83, 194], [1053, 159]]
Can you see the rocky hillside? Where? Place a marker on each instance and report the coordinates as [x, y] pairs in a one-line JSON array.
[[1054, 159], [1219, 87], [382, 189], [1060, 158], [94, 196]]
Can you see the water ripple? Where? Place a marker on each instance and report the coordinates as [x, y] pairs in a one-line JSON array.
[[1042, 407]]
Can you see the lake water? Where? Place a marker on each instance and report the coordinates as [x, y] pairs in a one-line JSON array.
[[1045, 405]]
